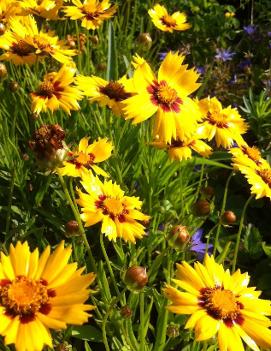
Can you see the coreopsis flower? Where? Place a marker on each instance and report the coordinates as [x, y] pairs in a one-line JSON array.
[[258, 176], [247, 156], [45, 8], [107, 93], [86, 157], [181, 149], [57, 91], [224, 124], [38, 293], [166, 22], [166, 96], [9, 9], [220, 303], [105, 202], [23, 43], [92, 13]]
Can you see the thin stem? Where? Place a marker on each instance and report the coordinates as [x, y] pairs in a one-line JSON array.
[[78, 219], [142, 321], [114, 301], [222, 211], [238, 238], [109, 265]]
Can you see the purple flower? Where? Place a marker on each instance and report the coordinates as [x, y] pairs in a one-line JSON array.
[[162, 55], [224, 54], [200, 69], [250, 29], [244, 64], [197, 246], [269, 34]]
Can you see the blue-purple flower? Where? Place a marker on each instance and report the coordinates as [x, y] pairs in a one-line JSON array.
[[199, 247], [162, 55], [250, 29], [224, 54], [200, 69]]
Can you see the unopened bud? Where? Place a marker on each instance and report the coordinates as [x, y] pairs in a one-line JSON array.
[[126, 312], [13, 86], [94, 39], [64, 347], [2, 28], [3, 70], [173, 331], [202, 208], [179, 237], [144, 39], [208, 192], [101, 66], [228, 217], [72, 229], [136, 277]]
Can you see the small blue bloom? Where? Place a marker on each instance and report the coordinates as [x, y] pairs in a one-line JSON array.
[[250, 29], [200, 69], [244, 64], [224, 54], [269, 34], [198, 246], [162, 55]]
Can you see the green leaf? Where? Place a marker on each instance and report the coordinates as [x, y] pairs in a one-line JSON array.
[[253, 242], [266, 249], [88, 333], [112, 63]]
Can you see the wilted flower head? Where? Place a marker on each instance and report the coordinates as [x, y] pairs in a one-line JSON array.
[[224, 55]]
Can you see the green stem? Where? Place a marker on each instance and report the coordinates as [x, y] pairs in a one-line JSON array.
[[142, 321], [238, 238], [12, 181], [222, 211], [109, 265], [78, 219], [114, 301]]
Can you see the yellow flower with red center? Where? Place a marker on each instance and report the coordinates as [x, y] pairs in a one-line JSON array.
[[181, 149], [23, 43], [107, 93], [258, 176], [57, 91], [86, 157], [166, 22], [38, 293], [167, 96], [224, 124], [220, 303], [105, 202], [92, 13], [44, 8], [245, 155]]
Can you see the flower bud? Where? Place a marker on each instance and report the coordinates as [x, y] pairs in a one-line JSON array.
[[228, 217], [136, 278], [126, 312], [179, 237], [173, 331], [64, 347], [101, 66], [13, 86], [202, 208], [94, 39], [3, 70], [72, 229], [2, 28], [144, 39]]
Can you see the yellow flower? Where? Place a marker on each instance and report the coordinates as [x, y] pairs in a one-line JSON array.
[[91, 12], [223, 124], [245, 155], [177, 114], [23, 43], [259, 177], [38, 293], [44, 8], [181, 149], [86, 158], [9, 9], [107, 203], [56, 91], [106, 93], [229, 14], [166, 22], [222, 304]]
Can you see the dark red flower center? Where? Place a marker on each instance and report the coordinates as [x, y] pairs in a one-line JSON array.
[[115, 91], [164, 96], [112, 207]]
